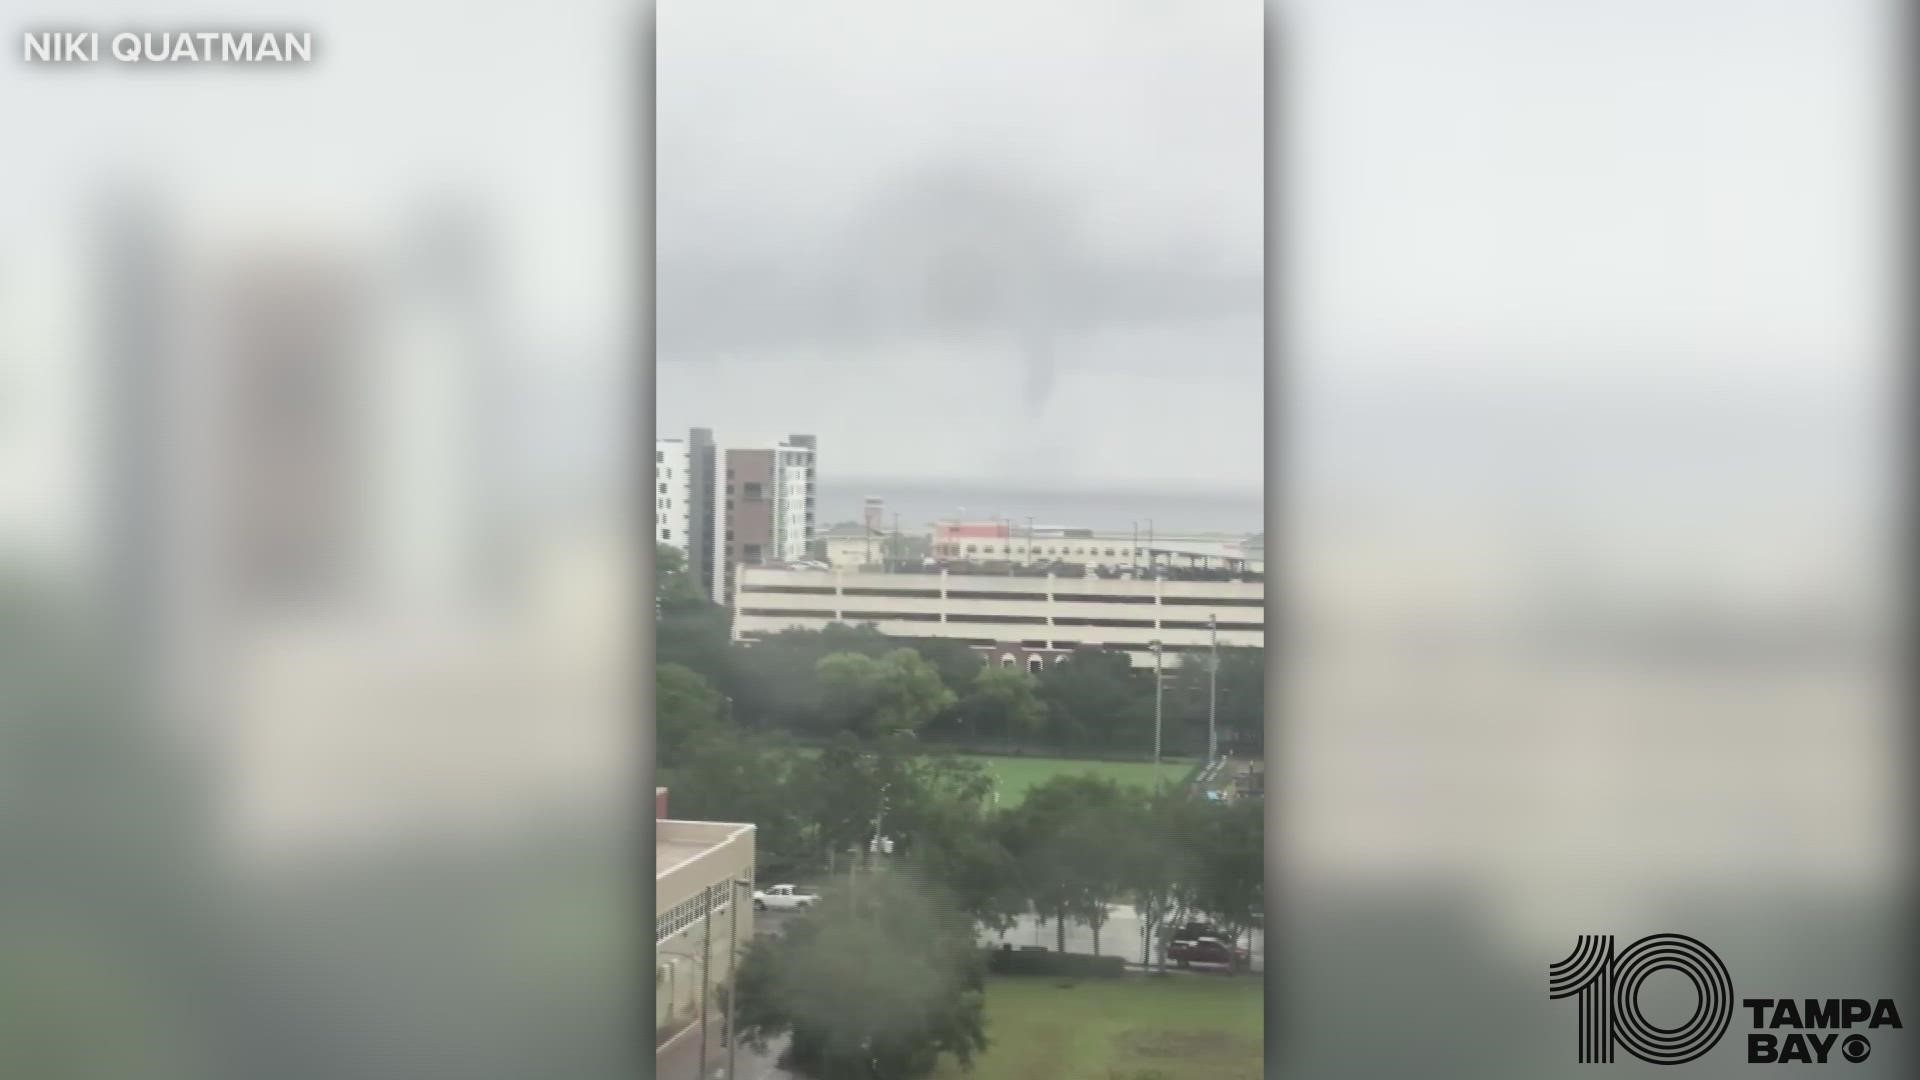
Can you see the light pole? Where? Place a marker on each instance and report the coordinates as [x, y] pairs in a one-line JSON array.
[[1213, 686], [1158, 684]]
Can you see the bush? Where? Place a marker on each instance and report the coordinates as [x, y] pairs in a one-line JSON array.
[[1078, 965]]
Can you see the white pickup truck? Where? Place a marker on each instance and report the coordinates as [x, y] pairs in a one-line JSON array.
[[784, 898]]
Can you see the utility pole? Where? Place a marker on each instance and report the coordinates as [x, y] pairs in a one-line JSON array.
[[1213, 687], [738, 885], [1029, 541], [1135, 550], [1158, 685], [706, 973]]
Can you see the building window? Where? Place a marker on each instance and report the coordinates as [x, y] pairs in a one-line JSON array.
[[750, 553], [1006, 660], [659, 456], [753, 492], [666, 534], [1034, 665]]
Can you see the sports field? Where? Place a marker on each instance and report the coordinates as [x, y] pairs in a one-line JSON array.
[[1173, 1027], [1017, 774]]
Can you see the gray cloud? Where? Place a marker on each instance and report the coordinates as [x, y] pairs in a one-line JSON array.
[[957, 252], [1058, 206]]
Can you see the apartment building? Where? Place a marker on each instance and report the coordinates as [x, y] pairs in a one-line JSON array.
[[703, 875], [1027, 621], [673, 494], [765, 499], [683, 498]]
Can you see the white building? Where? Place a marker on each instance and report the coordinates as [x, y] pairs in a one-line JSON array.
[[1026, 543], [1015, 620], [673, 494]]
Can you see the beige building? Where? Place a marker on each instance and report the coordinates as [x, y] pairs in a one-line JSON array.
[[703, 877], [1015, 620], [764, 507]]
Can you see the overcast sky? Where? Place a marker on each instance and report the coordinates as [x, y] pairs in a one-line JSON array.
[[982, 241], [1001, 243]]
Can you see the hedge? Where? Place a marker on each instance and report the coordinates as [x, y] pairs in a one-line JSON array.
[[1042, 962]]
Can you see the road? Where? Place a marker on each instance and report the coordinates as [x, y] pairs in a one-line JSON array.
[[1120, 936]]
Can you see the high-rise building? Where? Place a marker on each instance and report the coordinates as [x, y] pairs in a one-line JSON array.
[[673, 494], [702, 552], [764, 507], [804, 510], [683, 498]]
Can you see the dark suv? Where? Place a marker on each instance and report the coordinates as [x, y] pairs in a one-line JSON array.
[[1187, 951]]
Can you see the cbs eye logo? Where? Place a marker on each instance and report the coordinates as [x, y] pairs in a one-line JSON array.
[[1607, 992]]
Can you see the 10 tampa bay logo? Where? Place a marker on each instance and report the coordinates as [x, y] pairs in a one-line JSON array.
[[1606, 984]]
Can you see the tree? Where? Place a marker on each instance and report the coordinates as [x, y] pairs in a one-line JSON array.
[[1157, 862], [686, 709], [689, 629], [1067, 839], [1003, 703], [740, 777], [1229, 872], [1240, 706], [870, 986], [1095, 698], [674, 587], [777, 680], [895, 693], [940, 815], [956, 661]]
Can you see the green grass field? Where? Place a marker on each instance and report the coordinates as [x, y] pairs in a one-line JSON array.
[[1176, 1027], [1017, 774]]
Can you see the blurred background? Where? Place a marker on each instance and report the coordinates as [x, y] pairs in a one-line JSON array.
[[315, 745], [1588, 421]]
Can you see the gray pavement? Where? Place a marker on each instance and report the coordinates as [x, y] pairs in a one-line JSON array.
[[1119, 937]]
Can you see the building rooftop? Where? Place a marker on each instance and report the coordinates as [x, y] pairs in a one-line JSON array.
[[1037, 579], [677, 844]]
